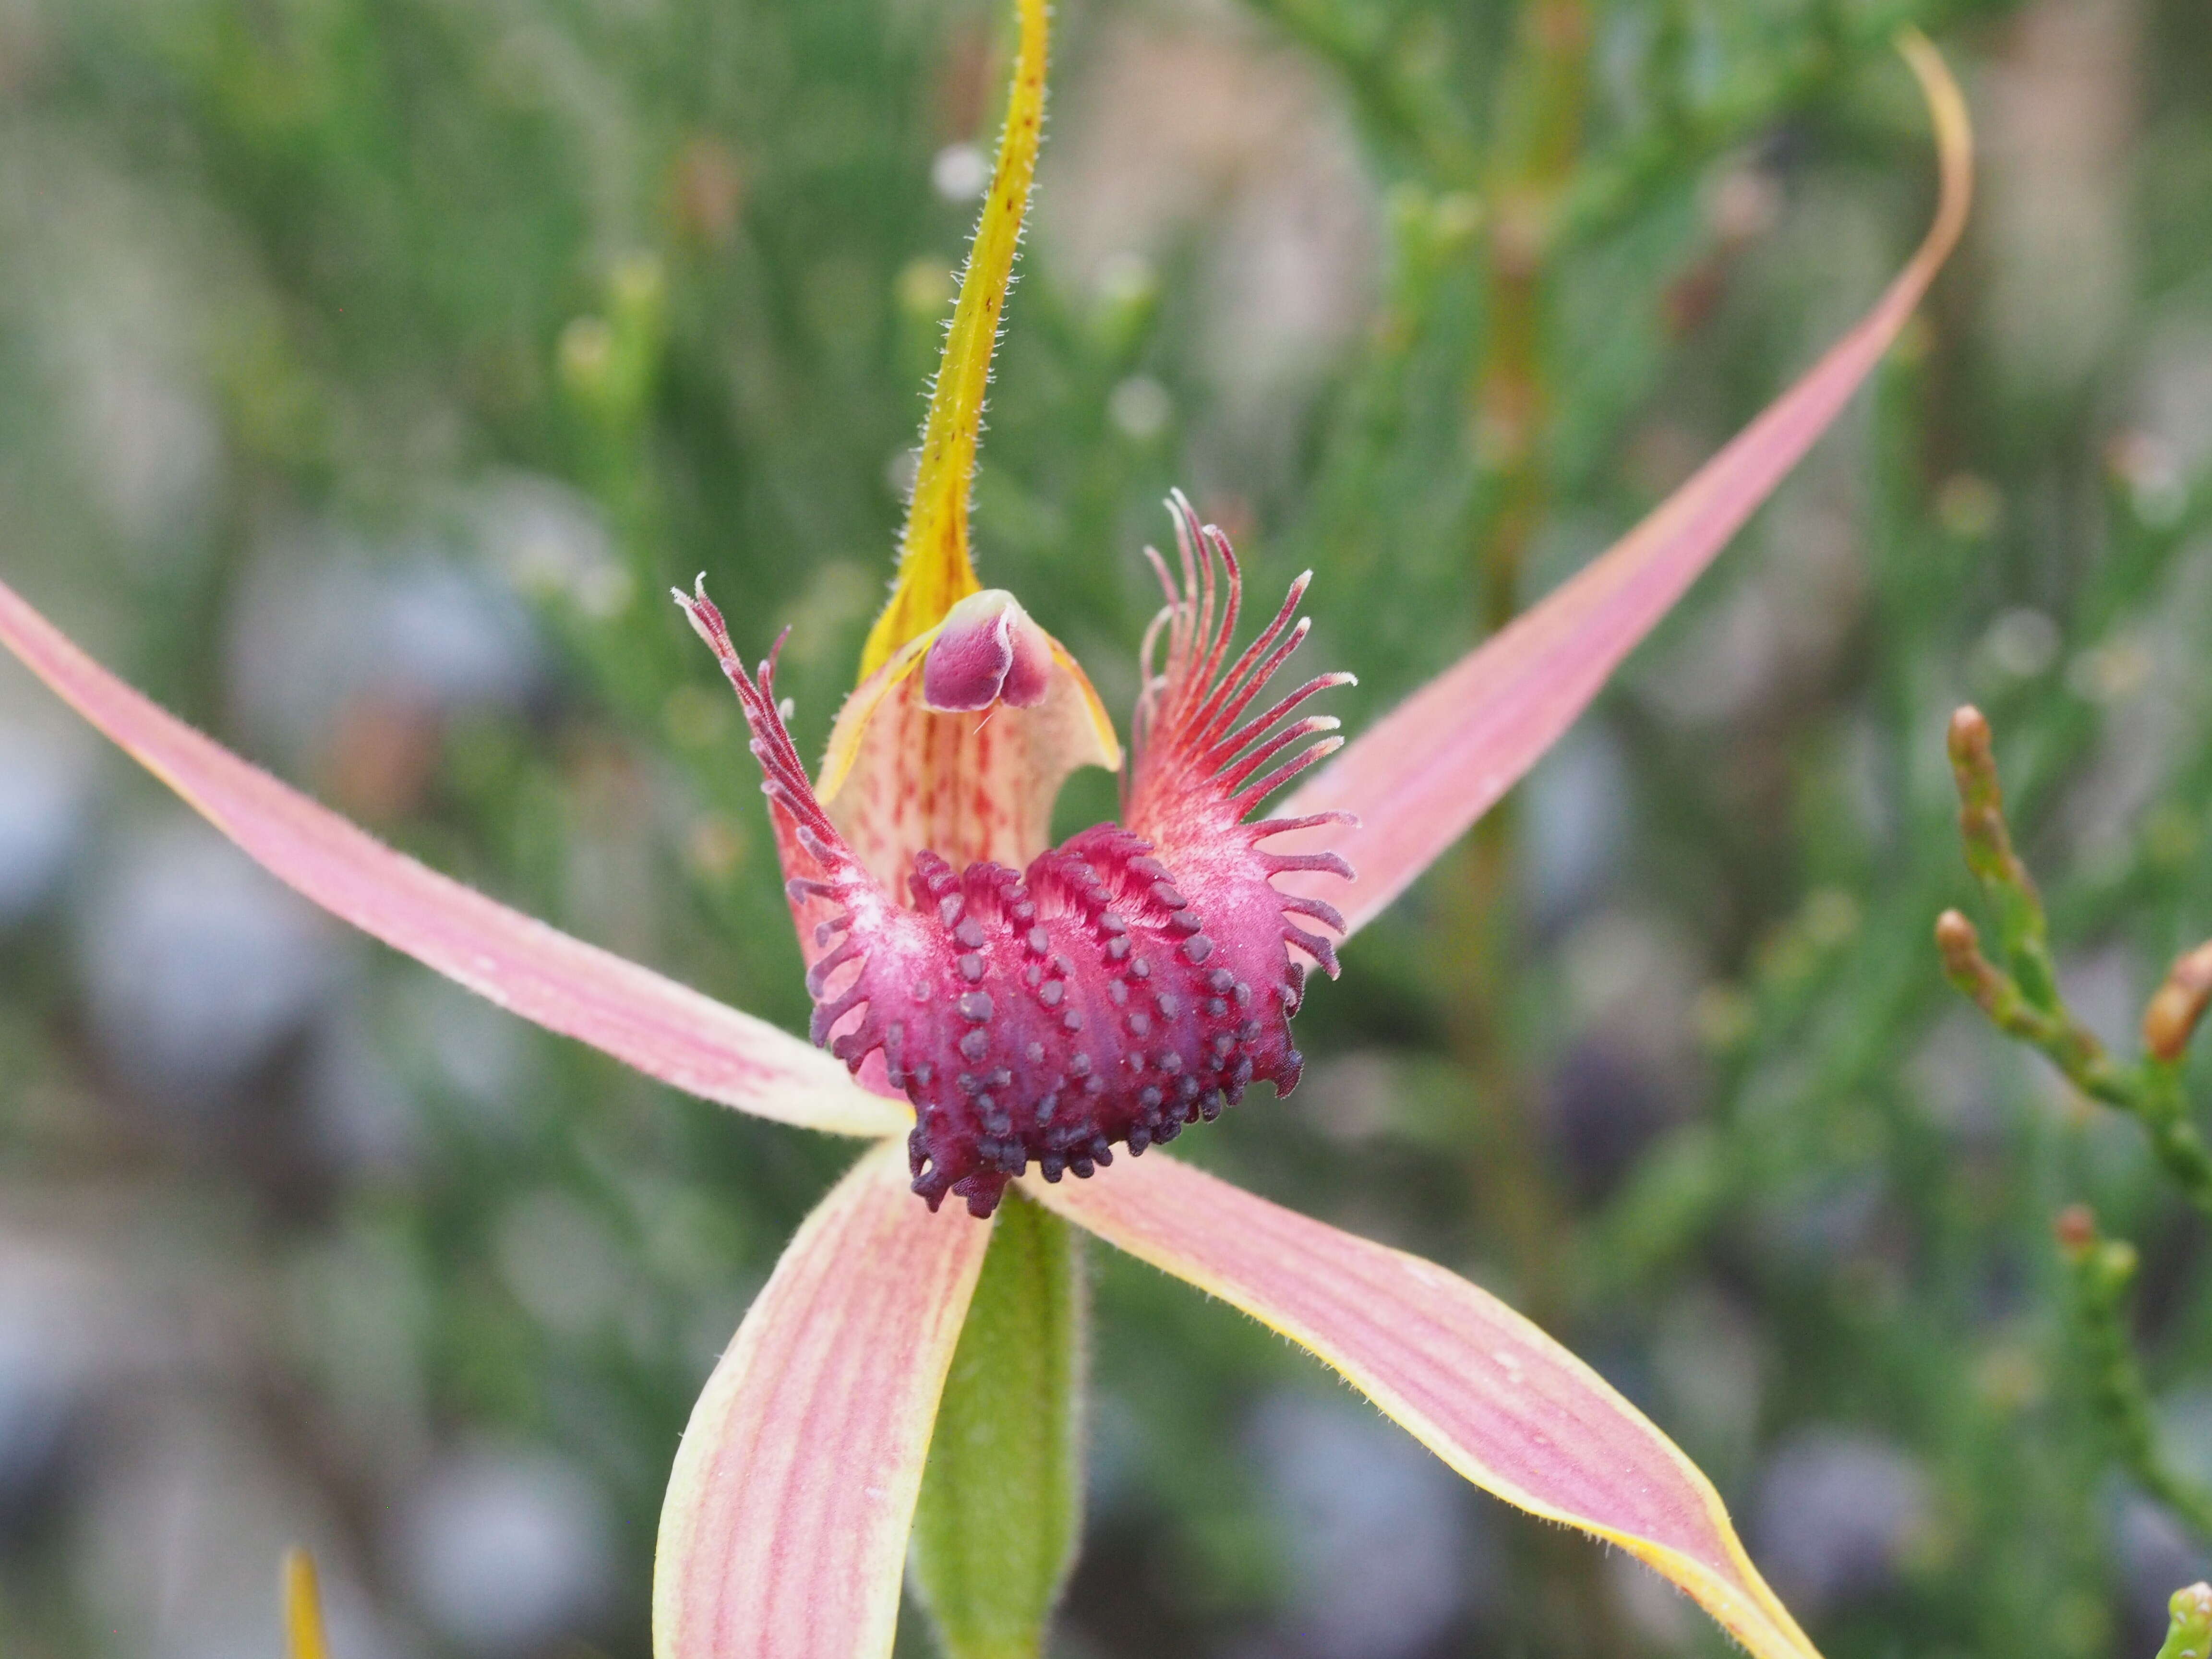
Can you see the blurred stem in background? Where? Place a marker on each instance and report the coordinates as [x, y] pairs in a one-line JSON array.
[[1515, 1198], [2022, 998], [1533, 154], [2100, 1270], [1513, 186], [1534, 157], [609, 366]]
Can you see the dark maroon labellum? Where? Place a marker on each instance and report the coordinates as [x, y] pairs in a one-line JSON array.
[[1130, 981]]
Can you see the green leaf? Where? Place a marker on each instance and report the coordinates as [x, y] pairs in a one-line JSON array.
[[1002, 1497]]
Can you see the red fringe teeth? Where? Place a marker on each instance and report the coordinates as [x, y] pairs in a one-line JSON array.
[[1130, 981]]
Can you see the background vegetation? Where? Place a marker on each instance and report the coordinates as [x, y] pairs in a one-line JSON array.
[[368, 367]]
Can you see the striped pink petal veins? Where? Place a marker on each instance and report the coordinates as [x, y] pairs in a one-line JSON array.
[[1484, 1389], [1421, 776], [663, 1029], [783, 1534]]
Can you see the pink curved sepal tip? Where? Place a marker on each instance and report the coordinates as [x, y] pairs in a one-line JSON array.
[[664, 1029], [1423, 774], [1481, 1386]]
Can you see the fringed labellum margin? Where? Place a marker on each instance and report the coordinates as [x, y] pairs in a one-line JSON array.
[[1129, 981]]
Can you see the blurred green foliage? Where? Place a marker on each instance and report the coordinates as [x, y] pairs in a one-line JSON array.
[[578, 297]]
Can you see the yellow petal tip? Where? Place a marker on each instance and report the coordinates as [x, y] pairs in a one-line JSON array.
[[303, 1608]]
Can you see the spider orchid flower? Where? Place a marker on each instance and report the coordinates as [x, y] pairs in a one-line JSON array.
[[1000, 1013]]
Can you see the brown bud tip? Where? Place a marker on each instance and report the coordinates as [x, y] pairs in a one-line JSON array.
[[2179, 1004], [2076, 1228], [1970, 738], [1956, 939]]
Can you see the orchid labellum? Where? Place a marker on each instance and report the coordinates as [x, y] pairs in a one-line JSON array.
[[1126, 983], [999, 1015]]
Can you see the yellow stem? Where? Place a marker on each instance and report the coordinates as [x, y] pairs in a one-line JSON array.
[[303, 1608], [934, 570]]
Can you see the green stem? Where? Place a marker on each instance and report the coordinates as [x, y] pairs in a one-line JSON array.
[[1404, 111], [1535, 150], [1001, 1505], [2101, 1270], [1537, 147], [2022, 998]]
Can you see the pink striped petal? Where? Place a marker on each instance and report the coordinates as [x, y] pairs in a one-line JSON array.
[[664, 1029], [1419, 779], [784, 1532], [1479, 1385]]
